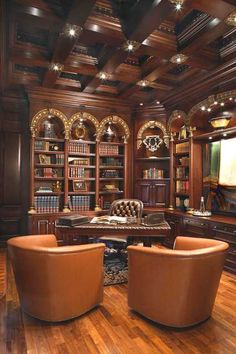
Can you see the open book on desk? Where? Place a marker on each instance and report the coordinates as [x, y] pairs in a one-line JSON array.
[[107, 219]]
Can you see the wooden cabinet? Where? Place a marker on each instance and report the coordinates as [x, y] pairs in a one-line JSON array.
[[153, 193], [216, 227], [175, 222], [226, 233]]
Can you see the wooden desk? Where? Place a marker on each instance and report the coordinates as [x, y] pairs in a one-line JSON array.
[[137, 231]]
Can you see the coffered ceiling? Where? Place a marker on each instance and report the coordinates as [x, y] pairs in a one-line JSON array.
[[37, 37]]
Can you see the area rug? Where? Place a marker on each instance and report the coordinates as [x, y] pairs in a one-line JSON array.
[[3, 270], [115, 271]]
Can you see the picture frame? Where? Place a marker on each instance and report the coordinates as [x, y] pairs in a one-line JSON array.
[[44, 159], [79, 186]]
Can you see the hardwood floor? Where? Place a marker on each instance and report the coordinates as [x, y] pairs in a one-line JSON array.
[[113, 328]]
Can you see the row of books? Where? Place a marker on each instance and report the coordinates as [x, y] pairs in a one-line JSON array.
[[57, 159], [182, 186], [48, 172], [47, 146], [79, 202], [153, 173], [47, 204], [182, 172], [78, 172], [75, 146], [109, 149], [110, 161], [110, 174]]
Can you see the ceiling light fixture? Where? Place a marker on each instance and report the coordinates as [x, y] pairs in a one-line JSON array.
[[158, 102], [178, 4], [72, 31], [141, 103], [56, 67], [131, 46], [220, 122], [103, 75], [231, 19], [178, 59], [143, 83]]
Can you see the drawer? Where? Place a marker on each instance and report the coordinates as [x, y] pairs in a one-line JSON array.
[[196, 223]]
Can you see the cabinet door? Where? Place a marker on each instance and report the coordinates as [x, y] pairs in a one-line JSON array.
[[159, 194], [41, 225], [144, 192]]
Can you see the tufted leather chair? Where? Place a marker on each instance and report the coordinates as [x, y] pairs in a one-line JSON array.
[[127, 207], [123, 207], [56, 283], [176, 287]]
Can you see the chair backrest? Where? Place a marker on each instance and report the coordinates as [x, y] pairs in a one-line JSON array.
[[56, 283], [127, 207], [176, 287]]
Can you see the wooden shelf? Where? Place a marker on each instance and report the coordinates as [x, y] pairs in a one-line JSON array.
[[216, 135], [81, 179], [82, 141], [181, 194], [49, 152], [181, 141], [177, 154], [111, 192], [49, 178], [111, 179], [53, 140], [110, 155], [80, 154], [54, 165], [82, 193], [110, 167], [111, 143], [48, 193], [83, 166], [153, 179]]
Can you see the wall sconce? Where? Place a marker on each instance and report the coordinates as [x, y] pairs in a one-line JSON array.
[[220, 122]]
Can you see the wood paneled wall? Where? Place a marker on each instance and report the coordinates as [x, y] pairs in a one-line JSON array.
[[14, 167]]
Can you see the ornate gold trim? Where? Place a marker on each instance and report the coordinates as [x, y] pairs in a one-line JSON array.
[[85, 116], [177, 114], [148, 125], [210, 101], [34, 125], [115, 120]]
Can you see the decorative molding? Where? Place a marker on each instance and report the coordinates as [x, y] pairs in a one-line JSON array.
[[209, 101], [114, 120], [177, 114], [149, 124], [41, 115], [85, 116]]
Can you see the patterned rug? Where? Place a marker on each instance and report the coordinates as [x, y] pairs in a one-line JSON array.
[[115, 271], [3, 276]]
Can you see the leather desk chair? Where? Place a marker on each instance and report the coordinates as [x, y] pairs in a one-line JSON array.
[[176, 287], [123, 207], [56, 283]]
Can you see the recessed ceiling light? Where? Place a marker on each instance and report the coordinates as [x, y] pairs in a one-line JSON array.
[[143, 83], [178, 4], [131, 46], [231, 98], [203, 108], [209, 109], [215, 102], [157, 102], [224, 134], [56, 67], [141, 103], [103, 75], [222, 104], [178, 59], [231, 19], [210, 137], [179, 116], [72, 30]]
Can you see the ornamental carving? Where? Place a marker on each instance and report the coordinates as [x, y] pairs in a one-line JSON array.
[[152, 124], [41, 115], [116, 121]]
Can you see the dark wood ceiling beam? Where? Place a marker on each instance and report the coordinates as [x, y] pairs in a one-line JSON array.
[[138, 27], [219, 9], [143, 20], [78, 14]]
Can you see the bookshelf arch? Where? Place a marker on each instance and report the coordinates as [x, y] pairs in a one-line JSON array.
[[83, 117], [151, 124], [116, 121], [44, 114]]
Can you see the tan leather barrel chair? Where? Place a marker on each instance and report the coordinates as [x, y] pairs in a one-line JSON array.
[[176, 287], [56, 283]]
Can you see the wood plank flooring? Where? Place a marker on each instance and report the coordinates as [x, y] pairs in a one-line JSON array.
[[113, 328]]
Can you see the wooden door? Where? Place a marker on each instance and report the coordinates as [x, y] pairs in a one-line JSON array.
[[144, 192], [160, 193]]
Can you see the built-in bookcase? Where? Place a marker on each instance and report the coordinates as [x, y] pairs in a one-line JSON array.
[[78, 164]]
